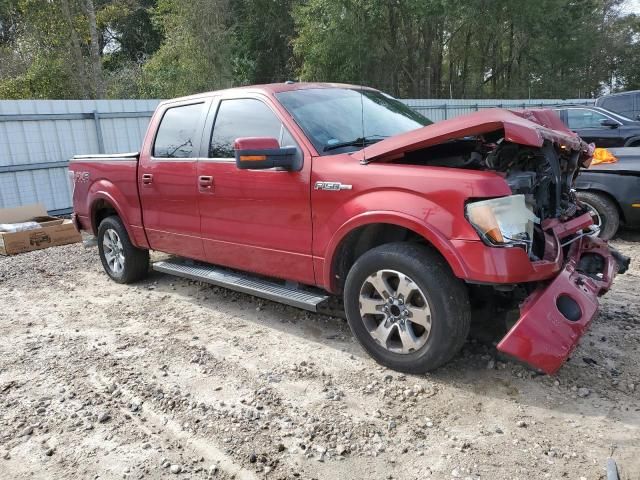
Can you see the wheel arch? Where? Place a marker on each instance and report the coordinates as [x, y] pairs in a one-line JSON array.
[[103, 205], [603, 191], [372, 229], [632, 141]]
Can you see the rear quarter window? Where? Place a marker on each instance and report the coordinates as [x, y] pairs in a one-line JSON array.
[[177, 132], [622, 104]]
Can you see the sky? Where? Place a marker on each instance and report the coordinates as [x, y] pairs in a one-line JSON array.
[[632, 6]]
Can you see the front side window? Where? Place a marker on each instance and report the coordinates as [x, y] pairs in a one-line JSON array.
[[177, 132], [244, 117], [345, 120], [578, 118]]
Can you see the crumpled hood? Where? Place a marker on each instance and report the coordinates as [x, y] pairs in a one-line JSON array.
[[526, 127]]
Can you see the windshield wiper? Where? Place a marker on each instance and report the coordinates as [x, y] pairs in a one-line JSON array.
[[356, 142]]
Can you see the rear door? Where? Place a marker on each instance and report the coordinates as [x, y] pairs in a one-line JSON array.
[[254, 220], [167, 181]]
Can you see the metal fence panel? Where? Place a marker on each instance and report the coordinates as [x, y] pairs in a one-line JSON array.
[[37, 138], [439, 109]]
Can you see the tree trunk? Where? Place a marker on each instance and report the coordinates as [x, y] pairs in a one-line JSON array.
[[465, 61], [96, 62], [78, 69]]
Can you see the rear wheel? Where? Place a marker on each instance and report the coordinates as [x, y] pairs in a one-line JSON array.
[[123, 262], [604, 212], [406, 308]]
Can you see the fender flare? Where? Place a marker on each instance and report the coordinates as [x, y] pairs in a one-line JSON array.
[[429, 233], [590, 185], [111, 200], [631, 140]]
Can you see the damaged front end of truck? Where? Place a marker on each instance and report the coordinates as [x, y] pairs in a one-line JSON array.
[[569, 266]]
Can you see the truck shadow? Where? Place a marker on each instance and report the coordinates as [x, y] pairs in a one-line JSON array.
[[601, 363], [628, 235]]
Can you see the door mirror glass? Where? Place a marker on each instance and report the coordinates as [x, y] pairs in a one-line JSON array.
[[258, 153], [607, 122]]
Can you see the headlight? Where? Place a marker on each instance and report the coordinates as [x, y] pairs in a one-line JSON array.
[[503, 221]]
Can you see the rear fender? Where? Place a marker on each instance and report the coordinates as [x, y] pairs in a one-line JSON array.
[[108, 192]]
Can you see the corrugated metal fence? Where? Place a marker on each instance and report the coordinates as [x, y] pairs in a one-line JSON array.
[[439, 109], [37, 138]]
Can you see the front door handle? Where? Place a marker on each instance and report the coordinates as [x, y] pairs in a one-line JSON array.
[[205, 183], [147, 179]]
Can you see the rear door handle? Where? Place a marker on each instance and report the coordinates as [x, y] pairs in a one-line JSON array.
[[205, 183], [147, 179]]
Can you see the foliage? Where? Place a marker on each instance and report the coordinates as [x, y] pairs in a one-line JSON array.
[[410, 48]]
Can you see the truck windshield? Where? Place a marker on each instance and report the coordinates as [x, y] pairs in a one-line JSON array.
[[345, 120]]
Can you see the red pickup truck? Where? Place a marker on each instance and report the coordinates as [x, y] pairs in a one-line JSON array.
[[301, 193]]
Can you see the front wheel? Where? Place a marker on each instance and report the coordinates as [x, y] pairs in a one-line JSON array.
[[603, 211], [406, 308], [123, 262]]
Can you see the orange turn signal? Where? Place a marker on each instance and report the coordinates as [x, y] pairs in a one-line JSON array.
[[253, 158], [602, 155], [485, 220]]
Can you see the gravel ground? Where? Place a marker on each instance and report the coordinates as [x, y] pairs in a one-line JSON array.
[[174, 379]]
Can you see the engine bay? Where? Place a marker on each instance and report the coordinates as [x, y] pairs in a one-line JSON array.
[[544, 175]]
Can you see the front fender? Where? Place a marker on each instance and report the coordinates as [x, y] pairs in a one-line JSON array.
[[590, 184], [431, 234], [631, 141]]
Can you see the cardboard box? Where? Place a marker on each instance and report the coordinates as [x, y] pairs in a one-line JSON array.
[[53, 231]]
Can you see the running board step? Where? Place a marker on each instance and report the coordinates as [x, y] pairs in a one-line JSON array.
[[242, 282]]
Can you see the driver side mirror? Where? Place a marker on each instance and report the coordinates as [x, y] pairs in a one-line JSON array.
[[259, 153], [609, 123]]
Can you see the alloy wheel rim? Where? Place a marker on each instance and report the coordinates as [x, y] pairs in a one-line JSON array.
[[113, 251], [597, 219], [395, 311]]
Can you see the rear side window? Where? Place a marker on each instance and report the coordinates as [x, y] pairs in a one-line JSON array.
[[244, 117], [177, 132], [622, 104]]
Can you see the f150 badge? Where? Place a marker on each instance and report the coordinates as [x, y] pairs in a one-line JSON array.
[[79, 177], [332, 186]]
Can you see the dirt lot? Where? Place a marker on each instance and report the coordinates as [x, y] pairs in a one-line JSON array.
[[173, 379]]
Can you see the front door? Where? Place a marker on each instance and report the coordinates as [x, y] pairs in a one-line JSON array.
[[254, 220], [167, 182], [588, 124]]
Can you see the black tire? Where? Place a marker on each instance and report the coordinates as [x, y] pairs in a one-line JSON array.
[[446, 295], [606, 209], [135, 265]]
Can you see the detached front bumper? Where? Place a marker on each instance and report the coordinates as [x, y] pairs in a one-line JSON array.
[[555, 316]]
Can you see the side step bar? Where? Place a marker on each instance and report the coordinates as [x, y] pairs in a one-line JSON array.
[[243, 282]]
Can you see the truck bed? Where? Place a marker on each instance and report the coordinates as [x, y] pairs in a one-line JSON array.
[[116, 174]]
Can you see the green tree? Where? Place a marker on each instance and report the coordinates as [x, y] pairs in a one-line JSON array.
[[195, 54]]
